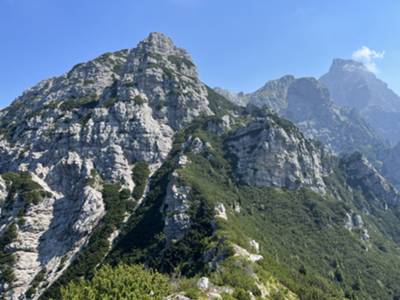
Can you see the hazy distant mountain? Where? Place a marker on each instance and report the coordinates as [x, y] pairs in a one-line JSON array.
[[308, 104], [240, 99], [391, 165], [272, 95], [342, 130], [352, 85]]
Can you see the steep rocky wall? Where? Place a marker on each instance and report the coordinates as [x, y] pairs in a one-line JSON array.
[[269, 154]]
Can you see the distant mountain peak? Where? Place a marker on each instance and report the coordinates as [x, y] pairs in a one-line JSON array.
[[339, 64], [352, 85]]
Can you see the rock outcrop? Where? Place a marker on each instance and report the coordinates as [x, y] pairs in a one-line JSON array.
[[273, 94], [272, 152], [362, 174], [240, 99], [177, 206]]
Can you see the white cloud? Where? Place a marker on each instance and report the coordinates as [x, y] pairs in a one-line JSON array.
[[368, 57]]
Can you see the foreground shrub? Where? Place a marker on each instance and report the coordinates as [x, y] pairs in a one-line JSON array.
[[122, 282]]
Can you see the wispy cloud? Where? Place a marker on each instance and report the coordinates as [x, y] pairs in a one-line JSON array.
[[368, 57]]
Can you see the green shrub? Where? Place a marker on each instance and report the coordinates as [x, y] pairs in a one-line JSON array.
[[139, 100], [241, 294], [237, 273], [122, 282], [89, 101], [7, 260], [29, 191], [140, 173], [179, 61]]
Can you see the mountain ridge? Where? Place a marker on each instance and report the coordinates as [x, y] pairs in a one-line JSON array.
[[132, 159]]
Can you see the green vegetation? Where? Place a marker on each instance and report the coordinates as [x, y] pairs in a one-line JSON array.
[[94, 179], [142, 237], [109, 102], [236, 273], [140, 173], [7, 130], [302, 238], [298, 230], [20, 187], [29, 191], [118, 203], [7, 259], [219, 105], [89, 101], [139, 100], [75, 68], [118, 67], [122, 282], [35, 284], [179, 61], [186, 255]]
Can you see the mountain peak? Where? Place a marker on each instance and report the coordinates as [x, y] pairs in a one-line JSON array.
[[158, 39], [160, 43], [339, 64], [351, 84]]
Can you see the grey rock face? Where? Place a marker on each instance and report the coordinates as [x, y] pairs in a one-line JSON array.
[[101, 117], [273, 94], [239, 99], [271, 154], [3, 191], [352, 85], [177, 203], [362, 174]]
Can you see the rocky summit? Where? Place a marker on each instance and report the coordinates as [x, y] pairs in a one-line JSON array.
[[129, 178], [353, 85], [93, 124]]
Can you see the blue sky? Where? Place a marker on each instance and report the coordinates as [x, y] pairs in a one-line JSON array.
[[236, 44]]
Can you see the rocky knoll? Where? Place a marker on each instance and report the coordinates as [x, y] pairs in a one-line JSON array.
[[362, 174], [272, 152]]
